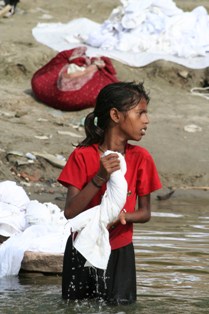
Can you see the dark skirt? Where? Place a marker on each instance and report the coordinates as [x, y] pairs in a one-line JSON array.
[[116, 285]]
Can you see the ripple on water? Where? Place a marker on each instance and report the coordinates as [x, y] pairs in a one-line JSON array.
[[172, 262]]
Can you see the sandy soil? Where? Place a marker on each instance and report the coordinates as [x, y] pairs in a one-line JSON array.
[[29, 126]]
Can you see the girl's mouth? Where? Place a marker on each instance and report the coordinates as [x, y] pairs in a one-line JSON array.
[[143, 131]]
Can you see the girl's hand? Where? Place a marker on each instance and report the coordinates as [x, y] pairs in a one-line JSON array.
[[121, 219], [108, 164]]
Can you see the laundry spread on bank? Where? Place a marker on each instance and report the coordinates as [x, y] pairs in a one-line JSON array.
[[137, 33]]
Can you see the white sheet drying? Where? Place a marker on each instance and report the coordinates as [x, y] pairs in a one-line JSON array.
[[92, 240], [137, 33]]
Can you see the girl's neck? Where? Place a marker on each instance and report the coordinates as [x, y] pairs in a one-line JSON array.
[[120, 149]]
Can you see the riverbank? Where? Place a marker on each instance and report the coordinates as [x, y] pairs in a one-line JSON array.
[[28, 126]]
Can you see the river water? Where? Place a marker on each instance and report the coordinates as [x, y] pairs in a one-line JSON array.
[[172, 260]]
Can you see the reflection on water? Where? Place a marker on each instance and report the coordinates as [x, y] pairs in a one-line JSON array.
[[172, 260]]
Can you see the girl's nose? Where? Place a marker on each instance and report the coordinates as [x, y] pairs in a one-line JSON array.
[[146, 118]]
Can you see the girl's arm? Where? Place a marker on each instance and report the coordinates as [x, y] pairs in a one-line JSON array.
[[77, 200], [141, 215]]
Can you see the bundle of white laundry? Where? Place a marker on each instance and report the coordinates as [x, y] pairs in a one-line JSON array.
[[137, 33], [29, 226], [153, 26]]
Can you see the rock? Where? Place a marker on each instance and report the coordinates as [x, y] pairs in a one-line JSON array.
[[2, 239], [42, 262], [183, 74]]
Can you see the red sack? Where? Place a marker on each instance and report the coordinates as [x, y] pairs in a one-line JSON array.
[[71, 80]]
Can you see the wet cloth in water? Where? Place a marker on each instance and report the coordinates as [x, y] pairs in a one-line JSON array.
[[92, 240]]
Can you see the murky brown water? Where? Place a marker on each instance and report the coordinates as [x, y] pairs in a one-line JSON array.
[[172, 258]]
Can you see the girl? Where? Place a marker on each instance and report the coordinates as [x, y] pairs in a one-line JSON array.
[[120, 115]]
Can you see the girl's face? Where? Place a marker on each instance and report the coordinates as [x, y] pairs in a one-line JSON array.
[[133, 124]]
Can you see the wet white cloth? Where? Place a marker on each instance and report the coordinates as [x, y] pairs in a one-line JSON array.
[[11, 193], [92, 240], [13, 204], [12, 220], [37, 238], [137, 33], [30, 225], [46, 213]]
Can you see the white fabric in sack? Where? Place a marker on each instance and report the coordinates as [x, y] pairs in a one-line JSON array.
[[92, 240]]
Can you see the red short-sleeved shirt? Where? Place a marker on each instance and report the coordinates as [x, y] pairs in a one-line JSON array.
[[142, 178]]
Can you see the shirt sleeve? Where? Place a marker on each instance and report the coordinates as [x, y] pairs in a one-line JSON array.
[[74, 173], [147, 177]]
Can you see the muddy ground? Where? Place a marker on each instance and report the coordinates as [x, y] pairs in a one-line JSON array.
[[28, 126]]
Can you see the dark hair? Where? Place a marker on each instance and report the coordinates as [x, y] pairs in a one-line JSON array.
[[121, 95]]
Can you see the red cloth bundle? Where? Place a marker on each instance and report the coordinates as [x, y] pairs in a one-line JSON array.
[[56, 86]]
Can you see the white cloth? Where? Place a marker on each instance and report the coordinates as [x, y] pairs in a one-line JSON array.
[[11, 193], [30, 225], [13, 204], [12, 220], [137, 33], [37, 238], [92, 240], [46, 213]]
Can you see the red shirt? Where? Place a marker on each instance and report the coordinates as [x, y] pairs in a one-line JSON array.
[[141, 176]]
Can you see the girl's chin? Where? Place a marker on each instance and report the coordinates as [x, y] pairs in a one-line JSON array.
[[137, 139]]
